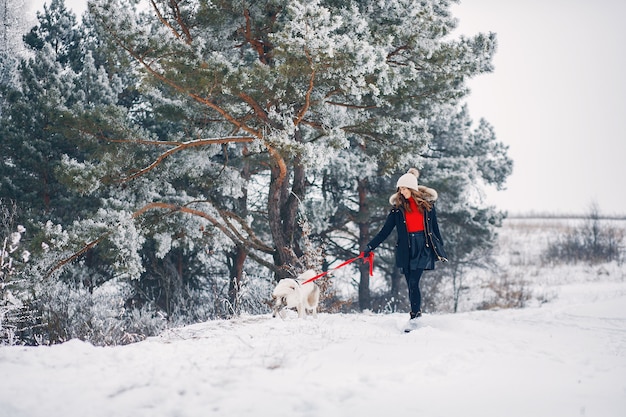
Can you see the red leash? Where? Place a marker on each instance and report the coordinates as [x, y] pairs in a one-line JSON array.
[[369, 260]]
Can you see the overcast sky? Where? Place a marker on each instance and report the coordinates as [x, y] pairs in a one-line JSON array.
[[557, 98]]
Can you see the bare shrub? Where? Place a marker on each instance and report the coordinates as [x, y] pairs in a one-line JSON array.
[[593, 242], [506, 292]]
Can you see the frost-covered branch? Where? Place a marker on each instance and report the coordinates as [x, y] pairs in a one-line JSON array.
[[230, 231], [262, 48], [351, 106], [307, 101], [149, 66], [396, 52], [188, 210], [258, 110], [185, 145], [251, 238], [75, 255], [269, 265], [176, 10], [239, 125]]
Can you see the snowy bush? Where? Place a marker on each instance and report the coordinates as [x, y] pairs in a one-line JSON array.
[[253, 296], [13, 314], [593, 241], [101, 317]]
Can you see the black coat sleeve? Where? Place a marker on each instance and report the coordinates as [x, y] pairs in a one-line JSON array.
[[387, 228]]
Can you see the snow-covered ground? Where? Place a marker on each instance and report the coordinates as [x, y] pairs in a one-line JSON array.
[[565, 357]]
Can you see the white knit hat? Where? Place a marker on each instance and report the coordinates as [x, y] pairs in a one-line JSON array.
[[409, 180]]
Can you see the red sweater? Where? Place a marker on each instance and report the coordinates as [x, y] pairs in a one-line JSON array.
[[414, 219]]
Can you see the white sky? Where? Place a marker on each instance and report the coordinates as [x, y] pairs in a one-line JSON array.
[[557, 98]]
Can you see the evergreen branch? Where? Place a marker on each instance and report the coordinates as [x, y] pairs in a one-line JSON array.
[[178, 17], [259, 46], [350, 106], [163, 20], [316, 126], [256, 107], [135, 141], [263, 262], [391, 55], [236, 238], [307, 101], [278, 159], [75, 255], [143, 141], [199, 99], [334, 92], [397, 51], [280, 162], [251, 239], [185, 145]]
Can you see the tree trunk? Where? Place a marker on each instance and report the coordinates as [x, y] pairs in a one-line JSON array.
[[283, 205], [238, 258], [293, 198], [283, 256], [456, 286], [365, 301], [240, 253]]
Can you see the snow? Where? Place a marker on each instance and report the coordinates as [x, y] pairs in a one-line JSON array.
[[563, 358]]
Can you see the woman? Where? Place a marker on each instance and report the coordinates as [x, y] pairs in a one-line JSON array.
[[419, 243]]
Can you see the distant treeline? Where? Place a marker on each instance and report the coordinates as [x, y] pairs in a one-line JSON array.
[[548, 215]]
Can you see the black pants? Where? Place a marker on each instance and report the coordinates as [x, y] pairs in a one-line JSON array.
[[420, 259], [413, 282]]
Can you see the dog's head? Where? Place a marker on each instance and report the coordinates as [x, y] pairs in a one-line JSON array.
[[286, 294], [279, 303]]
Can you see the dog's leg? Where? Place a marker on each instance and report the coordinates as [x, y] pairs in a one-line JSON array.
[[313, 300], [301, 311]]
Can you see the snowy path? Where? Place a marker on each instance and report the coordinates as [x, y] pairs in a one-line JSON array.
[[567, 358]]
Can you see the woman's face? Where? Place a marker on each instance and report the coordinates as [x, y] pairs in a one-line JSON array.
[[406, 192]]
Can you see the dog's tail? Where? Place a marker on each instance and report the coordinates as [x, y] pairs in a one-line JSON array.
[[306, 275]]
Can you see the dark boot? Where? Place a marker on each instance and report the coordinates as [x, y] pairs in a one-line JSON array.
[[415, 315]]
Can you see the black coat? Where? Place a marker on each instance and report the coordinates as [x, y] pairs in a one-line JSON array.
[[434, 242]]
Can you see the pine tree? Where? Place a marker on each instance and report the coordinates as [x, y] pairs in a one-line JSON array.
[[59, 30], [462, 161], [178, 144], [44, 171], [12, 24], [296, 82]]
